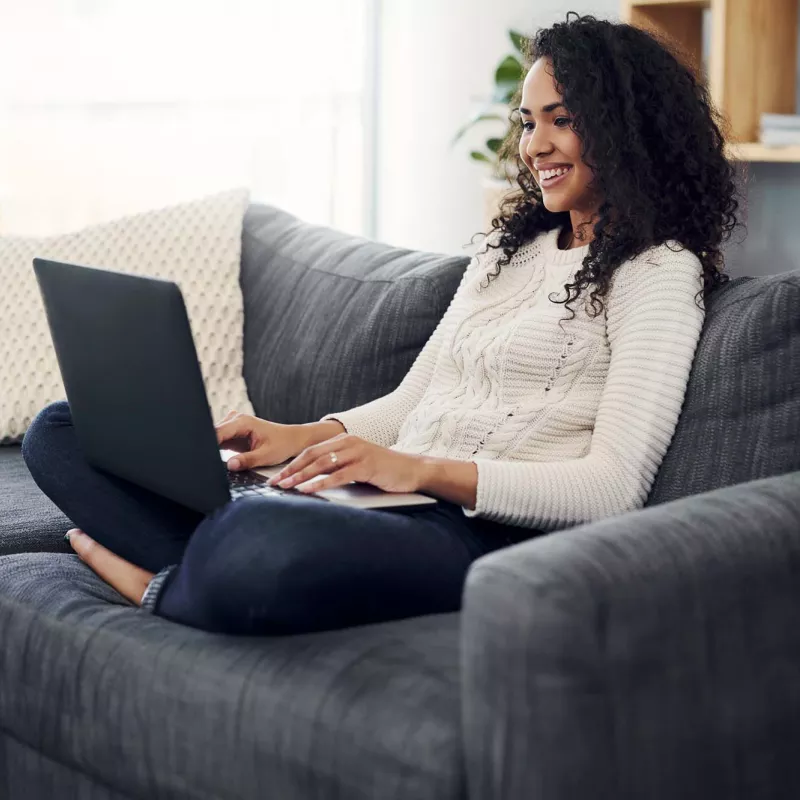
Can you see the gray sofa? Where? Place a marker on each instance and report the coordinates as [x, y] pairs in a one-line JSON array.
[[651, 655]]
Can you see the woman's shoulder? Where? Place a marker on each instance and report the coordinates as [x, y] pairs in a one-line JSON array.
[[671, 252], [666, 275], [667, 261]]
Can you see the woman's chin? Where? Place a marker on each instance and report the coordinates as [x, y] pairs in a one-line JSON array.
[[554, 203]]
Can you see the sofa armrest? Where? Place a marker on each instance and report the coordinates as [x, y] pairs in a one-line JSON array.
[[654, 655]]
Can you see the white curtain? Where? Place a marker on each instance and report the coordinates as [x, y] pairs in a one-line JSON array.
[[109, 107]]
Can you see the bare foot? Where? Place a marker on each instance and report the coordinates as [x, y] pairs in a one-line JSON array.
[[128, 579]]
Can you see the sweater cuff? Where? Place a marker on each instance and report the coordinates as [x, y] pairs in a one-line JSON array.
[[478, 511], [495, 498], [153, 591], [366, 424], [336, 418]]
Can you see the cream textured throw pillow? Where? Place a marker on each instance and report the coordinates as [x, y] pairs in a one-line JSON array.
[[197, 245]]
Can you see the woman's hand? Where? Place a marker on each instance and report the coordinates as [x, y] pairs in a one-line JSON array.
[[260, 443], [355, 460]]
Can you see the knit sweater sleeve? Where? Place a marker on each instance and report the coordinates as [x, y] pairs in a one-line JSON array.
[[653, 326], [380, 420]]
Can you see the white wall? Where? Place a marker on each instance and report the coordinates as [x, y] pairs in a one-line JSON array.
[[190, 98], [437, 60]]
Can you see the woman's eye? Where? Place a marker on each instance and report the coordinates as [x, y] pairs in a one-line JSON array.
[[527, 126], [562, 122]]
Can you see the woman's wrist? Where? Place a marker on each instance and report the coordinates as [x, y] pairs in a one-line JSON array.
[[455, 481], [315, 432]]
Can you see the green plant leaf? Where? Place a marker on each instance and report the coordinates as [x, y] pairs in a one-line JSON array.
[[480, 116], [509, 71], [494, 144], [519, 41], [507, 79], [476, 155]]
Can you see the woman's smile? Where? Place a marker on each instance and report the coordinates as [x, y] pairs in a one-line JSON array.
[[551, 177]]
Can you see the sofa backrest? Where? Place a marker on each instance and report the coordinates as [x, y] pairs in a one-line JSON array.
[[332, 320], [741, 415]]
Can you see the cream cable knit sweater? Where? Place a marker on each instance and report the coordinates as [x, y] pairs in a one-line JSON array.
[[565, 424]]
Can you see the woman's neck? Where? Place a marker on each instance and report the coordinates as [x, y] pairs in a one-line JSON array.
[[579, 225], [566, 238]]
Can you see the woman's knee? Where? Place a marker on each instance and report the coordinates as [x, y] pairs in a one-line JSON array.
[[253, 566], [37, 442], [256, 542]]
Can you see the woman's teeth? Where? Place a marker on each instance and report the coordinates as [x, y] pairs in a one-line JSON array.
[[546, 174]]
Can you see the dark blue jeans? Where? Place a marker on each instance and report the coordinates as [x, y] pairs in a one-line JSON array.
[[267, 565]]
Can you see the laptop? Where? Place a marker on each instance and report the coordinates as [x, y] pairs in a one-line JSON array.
[[137, 397]]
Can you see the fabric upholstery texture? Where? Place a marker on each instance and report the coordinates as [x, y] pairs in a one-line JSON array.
[[331, 320], [741, 413], [195, 244], [148, 708], [655, 655], [26, 774], [29, 522]]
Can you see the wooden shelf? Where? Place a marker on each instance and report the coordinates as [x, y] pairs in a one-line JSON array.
[[692, 3], [755, 151], [752, 59]]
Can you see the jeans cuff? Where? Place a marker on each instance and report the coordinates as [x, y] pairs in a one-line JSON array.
[[153, 590]]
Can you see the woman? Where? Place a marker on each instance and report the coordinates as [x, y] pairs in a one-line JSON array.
[[518, 418]]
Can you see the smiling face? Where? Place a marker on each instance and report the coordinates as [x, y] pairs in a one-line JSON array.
[[550, 148]]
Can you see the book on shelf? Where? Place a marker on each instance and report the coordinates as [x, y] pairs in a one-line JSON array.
[[780, 130], [780, 138], [780, 122]]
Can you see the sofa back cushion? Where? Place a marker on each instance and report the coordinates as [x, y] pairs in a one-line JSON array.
[[741, 415], [332, 320]]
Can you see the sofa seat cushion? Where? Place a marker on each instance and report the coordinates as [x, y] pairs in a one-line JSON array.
[[29, 522], [149, 708], [741, 414]]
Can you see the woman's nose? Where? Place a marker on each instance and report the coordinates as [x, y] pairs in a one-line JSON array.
[[536, 144]]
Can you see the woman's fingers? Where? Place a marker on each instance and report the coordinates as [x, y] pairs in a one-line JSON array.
[[315, 461], [128, 579], [238, 427], [250, 459], [320, 466], [339, 478]]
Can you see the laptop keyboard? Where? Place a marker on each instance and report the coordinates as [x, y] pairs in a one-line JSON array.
[[250, 484]]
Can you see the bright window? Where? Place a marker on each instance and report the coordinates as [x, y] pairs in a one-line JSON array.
[[109, 107]]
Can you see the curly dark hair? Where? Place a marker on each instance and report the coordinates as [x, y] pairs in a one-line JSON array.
[[653, 140]]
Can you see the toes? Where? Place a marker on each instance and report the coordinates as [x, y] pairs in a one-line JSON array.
[[80, 542]]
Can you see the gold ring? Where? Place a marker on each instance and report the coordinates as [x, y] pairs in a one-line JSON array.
[[334, 458]]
